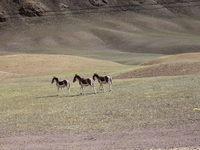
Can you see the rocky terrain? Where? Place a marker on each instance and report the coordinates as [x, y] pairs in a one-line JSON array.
[[15, 10]]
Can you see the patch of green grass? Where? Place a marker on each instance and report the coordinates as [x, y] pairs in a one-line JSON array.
[[32, 105]]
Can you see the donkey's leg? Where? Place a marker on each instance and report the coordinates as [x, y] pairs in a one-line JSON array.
[[102, 87], [94, 89], [110, 86], [63, 91], [82, 90], [68, 90], [58, 91]]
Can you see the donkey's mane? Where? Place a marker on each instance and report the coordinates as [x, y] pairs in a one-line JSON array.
[[96, 75]]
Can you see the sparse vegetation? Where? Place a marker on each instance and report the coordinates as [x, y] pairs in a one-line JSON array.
[[31, 103], [125, 45]]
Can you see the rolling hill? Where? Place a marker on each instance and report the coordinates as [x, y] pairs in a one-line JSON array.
[[150, 48], [107, 28], [173, 65]]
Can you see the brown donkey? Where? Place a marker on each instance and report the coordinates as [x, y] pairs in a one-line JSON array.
[[103, 80], [84, 82], [61, 84]]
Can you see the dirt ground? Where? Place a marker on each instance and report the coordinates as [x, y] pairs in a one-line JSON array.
[[182, 138]]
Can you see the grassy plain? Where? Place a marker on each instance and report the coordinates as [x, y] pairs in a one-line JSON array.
[[29, 103], [109, 45]]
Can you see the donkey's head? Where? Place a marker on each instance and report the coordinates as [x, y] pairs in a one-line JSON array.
[[54, 78], [76, 76], [95, 76]]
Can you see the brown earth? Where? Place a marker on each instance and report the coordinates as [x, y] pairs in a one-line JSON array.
[[26, 64], [173, 58], [162, 8], [174, 65], [182, 138]]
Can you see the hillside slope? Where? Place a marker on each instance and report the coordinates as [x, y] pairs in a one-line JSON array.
[[105, 29], [174, 65], [163, 8]]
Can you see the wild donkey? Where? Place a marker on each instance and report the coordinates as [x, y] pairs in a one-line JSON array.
[[61, 84], [84, 82], [103, 80]]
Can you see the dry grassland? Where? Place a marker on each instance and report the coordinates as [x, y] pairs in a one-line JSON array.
[[174, 65], [23, 65], [156, 111], [155, 100]]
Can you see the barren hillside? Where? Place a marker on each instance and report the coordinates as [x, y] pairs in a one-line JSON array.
[[108, 28], [174, 65], [163, 8]]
